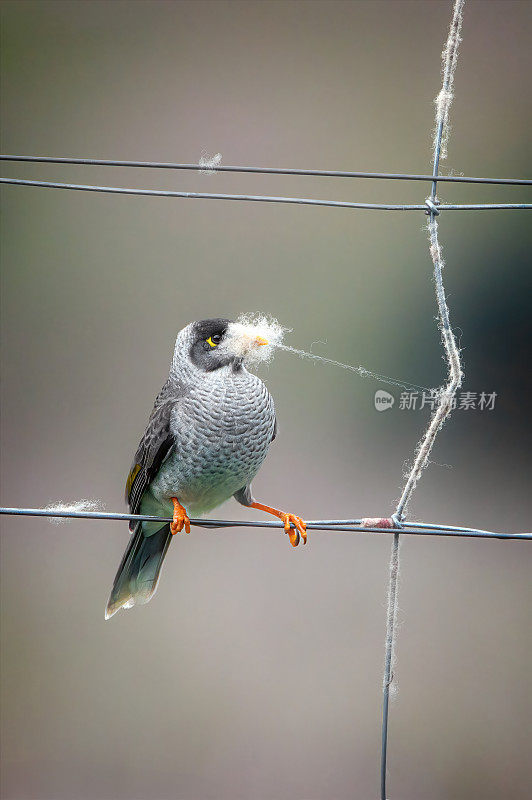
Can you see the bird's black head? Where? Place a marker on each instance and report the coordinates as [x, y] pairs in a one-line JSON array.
[[214, 343], [206, 351]]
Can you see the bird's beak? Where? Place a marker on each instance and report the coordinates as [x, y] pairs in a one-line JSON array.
[[260, 341]]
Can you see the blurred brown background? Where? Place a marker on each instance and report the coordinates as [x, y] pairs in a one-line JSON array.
[[256, 671]]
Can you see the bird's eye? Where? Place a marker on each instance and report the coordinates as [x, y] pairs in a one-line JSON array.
[[214, 340]]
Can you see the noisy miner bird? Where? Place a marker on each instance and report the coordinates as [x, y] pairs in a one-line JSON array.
[[207, 436]]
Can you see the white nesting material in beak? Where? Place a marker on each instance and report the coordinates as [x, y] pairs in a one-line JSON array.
[[254, 337]]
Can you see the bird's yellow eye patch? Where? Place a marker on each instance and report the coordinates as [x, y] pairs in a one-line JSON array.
[[210, 341]]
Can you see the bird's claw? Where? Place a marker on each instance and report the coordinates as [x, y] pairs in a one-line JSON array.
[[180, 518], [299, 529], [288, 520]]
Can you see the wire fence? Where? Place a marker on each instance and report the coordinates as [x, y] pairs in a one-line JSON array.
[[435, 208], [398, 526], [320, 173], [333, 525]]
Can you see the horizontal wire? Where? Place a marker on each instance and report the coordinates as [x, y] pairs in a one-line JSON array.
[[320, 173], [263, 198], [346, 525]]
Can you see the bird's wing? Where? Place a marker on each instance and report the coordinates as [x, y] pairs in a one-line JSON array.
[[155, 446]]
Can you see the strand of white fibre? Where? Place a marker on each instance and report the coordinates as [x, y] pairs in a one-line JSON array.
[[360, 370]]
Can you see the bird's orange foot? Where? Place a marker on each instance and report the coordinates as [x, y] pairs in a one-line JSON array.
[[300, 527], [180, 518]]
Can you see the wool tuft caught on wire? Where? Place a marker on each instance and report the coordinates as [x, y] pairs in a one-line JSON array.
[[75, 507], [208, 164]]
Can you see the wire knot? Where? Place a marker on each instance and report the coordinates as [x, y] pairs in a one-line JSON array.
[[432, 208], [397, 520]]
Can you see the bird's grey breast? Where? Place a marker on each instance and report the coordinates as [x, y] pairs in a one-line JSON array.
[[223, 428]]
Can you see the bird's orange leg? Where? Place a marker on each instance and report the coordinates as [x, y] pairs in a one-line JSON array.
[[180, 518], [288, 519]]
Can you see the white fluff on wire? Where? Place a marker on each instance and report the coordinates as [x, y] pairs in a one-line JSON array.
[[76, 506], [208, 163]]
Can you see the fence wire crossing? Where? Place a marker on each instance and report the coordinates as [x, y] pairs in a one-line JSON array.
[[398, 526]]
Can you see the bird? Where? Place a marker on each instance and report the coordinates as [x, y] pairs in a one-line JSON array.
[[207, 436]]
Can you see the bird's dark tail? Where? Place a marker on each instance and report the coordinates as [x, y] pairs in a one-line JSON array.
[[138, 573]]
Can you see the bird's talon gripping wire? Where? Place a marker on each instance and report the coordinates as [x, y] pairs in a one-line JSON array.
[[288, 520], [180, 518], [299, 529]]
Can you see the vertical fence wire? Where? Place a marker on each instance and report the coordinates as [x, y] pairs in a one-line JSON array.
[[454, 378]]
